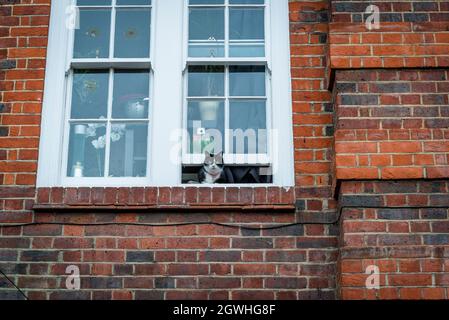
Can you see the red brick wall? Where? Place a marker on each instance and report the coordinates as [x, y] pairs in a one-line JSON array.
[[189, 261], [411, 34], [404, 232], [120, 260], [392, 124]]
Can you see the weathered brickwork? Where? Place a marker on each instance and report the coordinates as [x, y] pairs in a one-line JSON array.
[[373, 122], [184, 262], [391, 11], [411, 34], [404, 232], [392, 124]]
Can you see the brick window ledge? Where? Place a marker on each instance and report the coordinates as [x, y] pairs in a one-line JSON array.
[[183, 199]]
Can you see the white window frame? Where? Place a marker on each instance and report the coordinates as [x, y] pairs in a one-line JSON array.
[[168, 63], [227, 61]]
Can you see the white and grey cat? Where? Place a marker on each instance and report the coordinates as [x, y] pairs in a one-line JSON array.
[[212, 170]]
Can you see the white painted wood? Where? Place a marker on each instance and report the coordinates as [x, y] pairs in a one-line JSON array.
[[282, 94], [50, 155], [167, 102]]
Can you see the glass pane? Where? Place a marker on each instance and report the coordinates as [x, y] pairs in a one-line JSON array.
[[133, 2], [128, 150], [206, 24], [205, 126], [248, 124], [132, 34], [247, 50], [206, 81], [92, 37], [206, 2], [246, 1], [247, 24], [94, 2], [90, 94], [206, 49], [131, 94], [247, 80], [86, 150]]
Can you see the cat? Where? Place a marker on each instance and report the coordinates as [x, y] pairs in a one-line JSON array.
[[212, 169]]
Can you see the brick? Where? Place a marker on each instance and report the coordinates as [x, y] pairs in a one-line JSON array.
[[139, 256], [219, 283], [402, 173], [286, 283], [410, 279], [286, 256], [218, 256], [35, 255], [398, 214]]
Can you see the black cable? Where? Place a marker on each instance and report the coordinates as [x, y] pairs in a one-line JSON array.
[[156, 225], [232, 226], [12, 282]]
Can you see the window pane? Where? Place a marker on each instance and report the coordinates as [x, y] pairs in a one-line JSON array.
[[86, 150], [92, 37], [246, 1], [206, 81], [247, 24], [133, 2], [247, 80], [206, 32], [132, 34], [205, 126], [248, 123], [131, 94], [90, 94], [207, 49], [206, 1], [128, 150], [94, 2], [206, 24], [247, 50]]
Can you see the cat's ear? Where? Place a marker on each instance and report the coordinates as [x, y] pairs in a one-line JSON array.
[[207, 154], [219, 157]]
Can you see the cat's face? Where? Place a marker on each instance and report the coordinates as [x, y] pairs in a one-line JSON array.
[[213, 163]]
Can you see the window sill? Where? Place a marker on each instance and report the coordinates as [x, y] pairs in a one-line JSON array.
[[175, 199]]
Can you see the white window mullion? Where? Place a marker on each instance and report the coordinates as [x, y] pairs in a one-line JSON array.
[[107, 151], [269, 116], [268, 44], [226, 112], [63, 165], [112, 35], [226, 26], [149, 123]]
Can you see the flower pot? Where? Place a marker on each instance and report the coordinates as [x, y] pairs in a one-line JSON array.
[[80, 129], [77, 170]]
